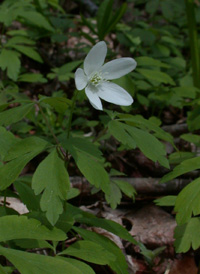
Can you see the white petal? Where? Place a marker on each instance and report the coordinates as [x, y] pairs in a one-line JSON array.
[[95, 58], [91, 93], [80, 79], [115, 94], [118, 68]]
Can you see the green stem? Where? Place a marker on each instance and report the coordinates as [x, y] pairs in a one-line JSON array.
[[71, 113], [193, 37]]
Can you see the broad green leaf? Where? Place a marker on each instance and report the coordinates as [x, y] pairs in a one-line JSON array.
[[115, 195], [14, 115], [20, 227], [126, 188], [7, 139], [82, 144], [184, 167], [10, 171], [36, 19], [19, 40], [187, 92], [33, 263], [145, 141], [93, 171], [27, 195], [179, 156], [117, 130], [52, 179], [30, 244], [9, 60], [3, 270], [86, 269], [91, 220], [119, 265], [60, 104], [103, 16], [149, 61], [187, 202], [90, 252], [187, 235], [166, 201], [158, 76], [141, 122], [32, 78], [25, 146], [29, 51], [192, 138]]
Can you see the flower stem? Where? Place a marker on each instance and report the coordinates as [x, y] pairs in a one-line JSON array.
[[71, 113]]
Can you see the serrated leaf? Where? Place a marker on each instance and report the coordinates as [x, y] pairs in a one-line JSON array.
[[114, 198], [126, 188], [14, 115], [184, 167], [9, 60], [52, 179], [187, 235], [158, 76], [33, 263], [89, 251], [80, 265], [149, 61], [32, 78], [145, 141], [25, 146], [36, 19], [119, 265], [7, 139], [10, 171], [93, 171], [60, 104], [20, 227], [27, 195], [29, 51], [187, 202], [166, 201]]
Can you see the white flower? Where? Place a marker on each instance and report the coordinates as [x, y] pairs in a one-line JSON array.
[[95, 75]]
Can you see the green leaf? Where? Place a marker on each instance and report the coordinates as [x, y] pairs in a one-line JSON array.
[[80, 265], [192, 138], [90, 252], [187, 92], [20, 227], [14, 115], [158, 76], [27, 195], [166, 201], [184, 167], [25, 146], [60, 104], [10, 171], [126, 188], [179, 156], [103, 17], [29, 244], [36, 19], [7, 139], [141, 122], [9, 60], [151, 62], [93, 171], [52, 179], [33, 263], [187, 235], [187, 202], [19, 40], [28, 51], [114, 198], [119, 265], [32, 78], [145, 141]]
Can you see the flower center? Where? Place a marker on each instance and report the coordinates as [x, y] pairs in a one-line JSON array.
[[96, 78]]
